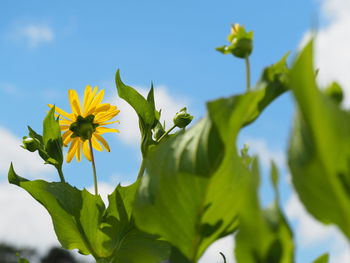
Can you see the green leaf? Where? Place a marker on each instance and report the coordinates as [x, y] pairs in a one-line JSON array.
[[322, 259], [145, 110], [142, 107], [131, 244], [319, 150], [264, 235], [81, 222], [191, 192], [52, 139], [76, 215]]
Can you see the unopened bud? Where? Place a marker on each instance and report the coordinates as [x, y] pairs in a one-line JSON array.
[[241, 42], [182, 118], [335, 92], [31, 144]]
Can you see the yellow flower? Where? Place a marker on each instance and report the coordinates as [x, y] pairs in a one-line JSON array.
[[86, 121]]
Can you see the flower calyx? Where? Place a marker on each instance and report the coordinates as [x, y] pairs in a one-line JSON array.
[[83, 127]]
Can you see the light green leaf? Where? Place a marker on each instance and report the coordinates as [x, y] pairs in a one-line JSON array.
[[191, 192], [319, 150], [264, 235], [322, 259]]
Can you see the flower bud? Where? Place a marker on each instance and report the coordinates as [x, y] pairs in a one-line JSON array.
[[31, 144], [241, 42], [335, 92], [83, 127], [182, 118]]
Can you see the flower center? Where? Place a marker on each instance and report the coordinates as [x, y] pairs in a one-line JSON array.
[[83, 127]]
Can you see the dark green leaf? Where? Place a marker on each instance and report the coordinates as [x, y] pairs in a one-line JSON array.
[[52, 139], [319, 151]]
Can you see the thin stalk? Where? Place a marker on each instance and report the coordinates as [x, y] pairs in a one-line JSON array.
[[247, 72], [93, 167], [165, 134], [60, 173]]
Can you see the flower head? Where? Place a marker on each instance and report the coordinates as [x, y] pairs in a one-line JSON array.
[[86, 122]]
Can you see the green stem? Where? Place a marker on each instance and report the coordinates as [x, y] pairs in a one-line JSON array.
[[93, 167], [165, 134], [60, 173], [142, 169], [247, 71]]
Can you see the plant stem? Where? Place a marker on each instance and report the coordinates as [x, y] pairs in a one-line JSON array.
[[223, 256], [247, 71], [93, 167], [142, 169], [165, 134], [60, 173]]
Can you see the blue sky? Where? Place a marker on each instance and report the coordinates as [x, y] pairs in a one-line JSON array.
[[46, 49]]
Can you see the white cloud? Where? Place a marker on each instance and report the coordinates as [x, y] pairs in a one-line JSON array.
[[34, 34], [332, 45], [311, 233], [225, 246], [265, 153], [25, 162], [129, 125]]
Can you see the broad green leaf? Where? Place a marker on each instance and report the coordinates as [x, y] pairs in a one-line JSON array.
[[319, 150], [52, 139], [76, 215], [131, 244], [81, 222], [264, 235], [322, 259], [191, 192]]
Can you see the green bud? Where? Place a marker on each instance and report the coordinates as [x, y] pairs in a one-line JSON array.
[[241, 42], [31, 144], [335, 92], [182, 118], [83, 127]]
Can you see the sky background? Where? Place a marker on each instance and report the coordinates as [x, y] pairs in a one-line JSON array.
[[46, 49]]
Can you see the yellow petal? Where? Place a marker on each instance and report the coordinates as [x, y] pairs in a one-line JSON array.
[[64, 127], [96, 144], [77, 153], [62, 112], [110, 122], [86, 150], [103, 141], [103, 117], [66, 137], [87, 97], [65, 122], [74, 101], [72, 149], [96, 101], [102, 130]]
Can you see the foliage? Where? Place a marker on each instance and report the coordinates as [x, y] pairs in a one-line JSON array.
[[195, 186]]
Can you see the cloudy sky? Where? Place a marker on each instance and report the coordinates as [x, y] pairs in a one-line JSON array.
[[47, 49]]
